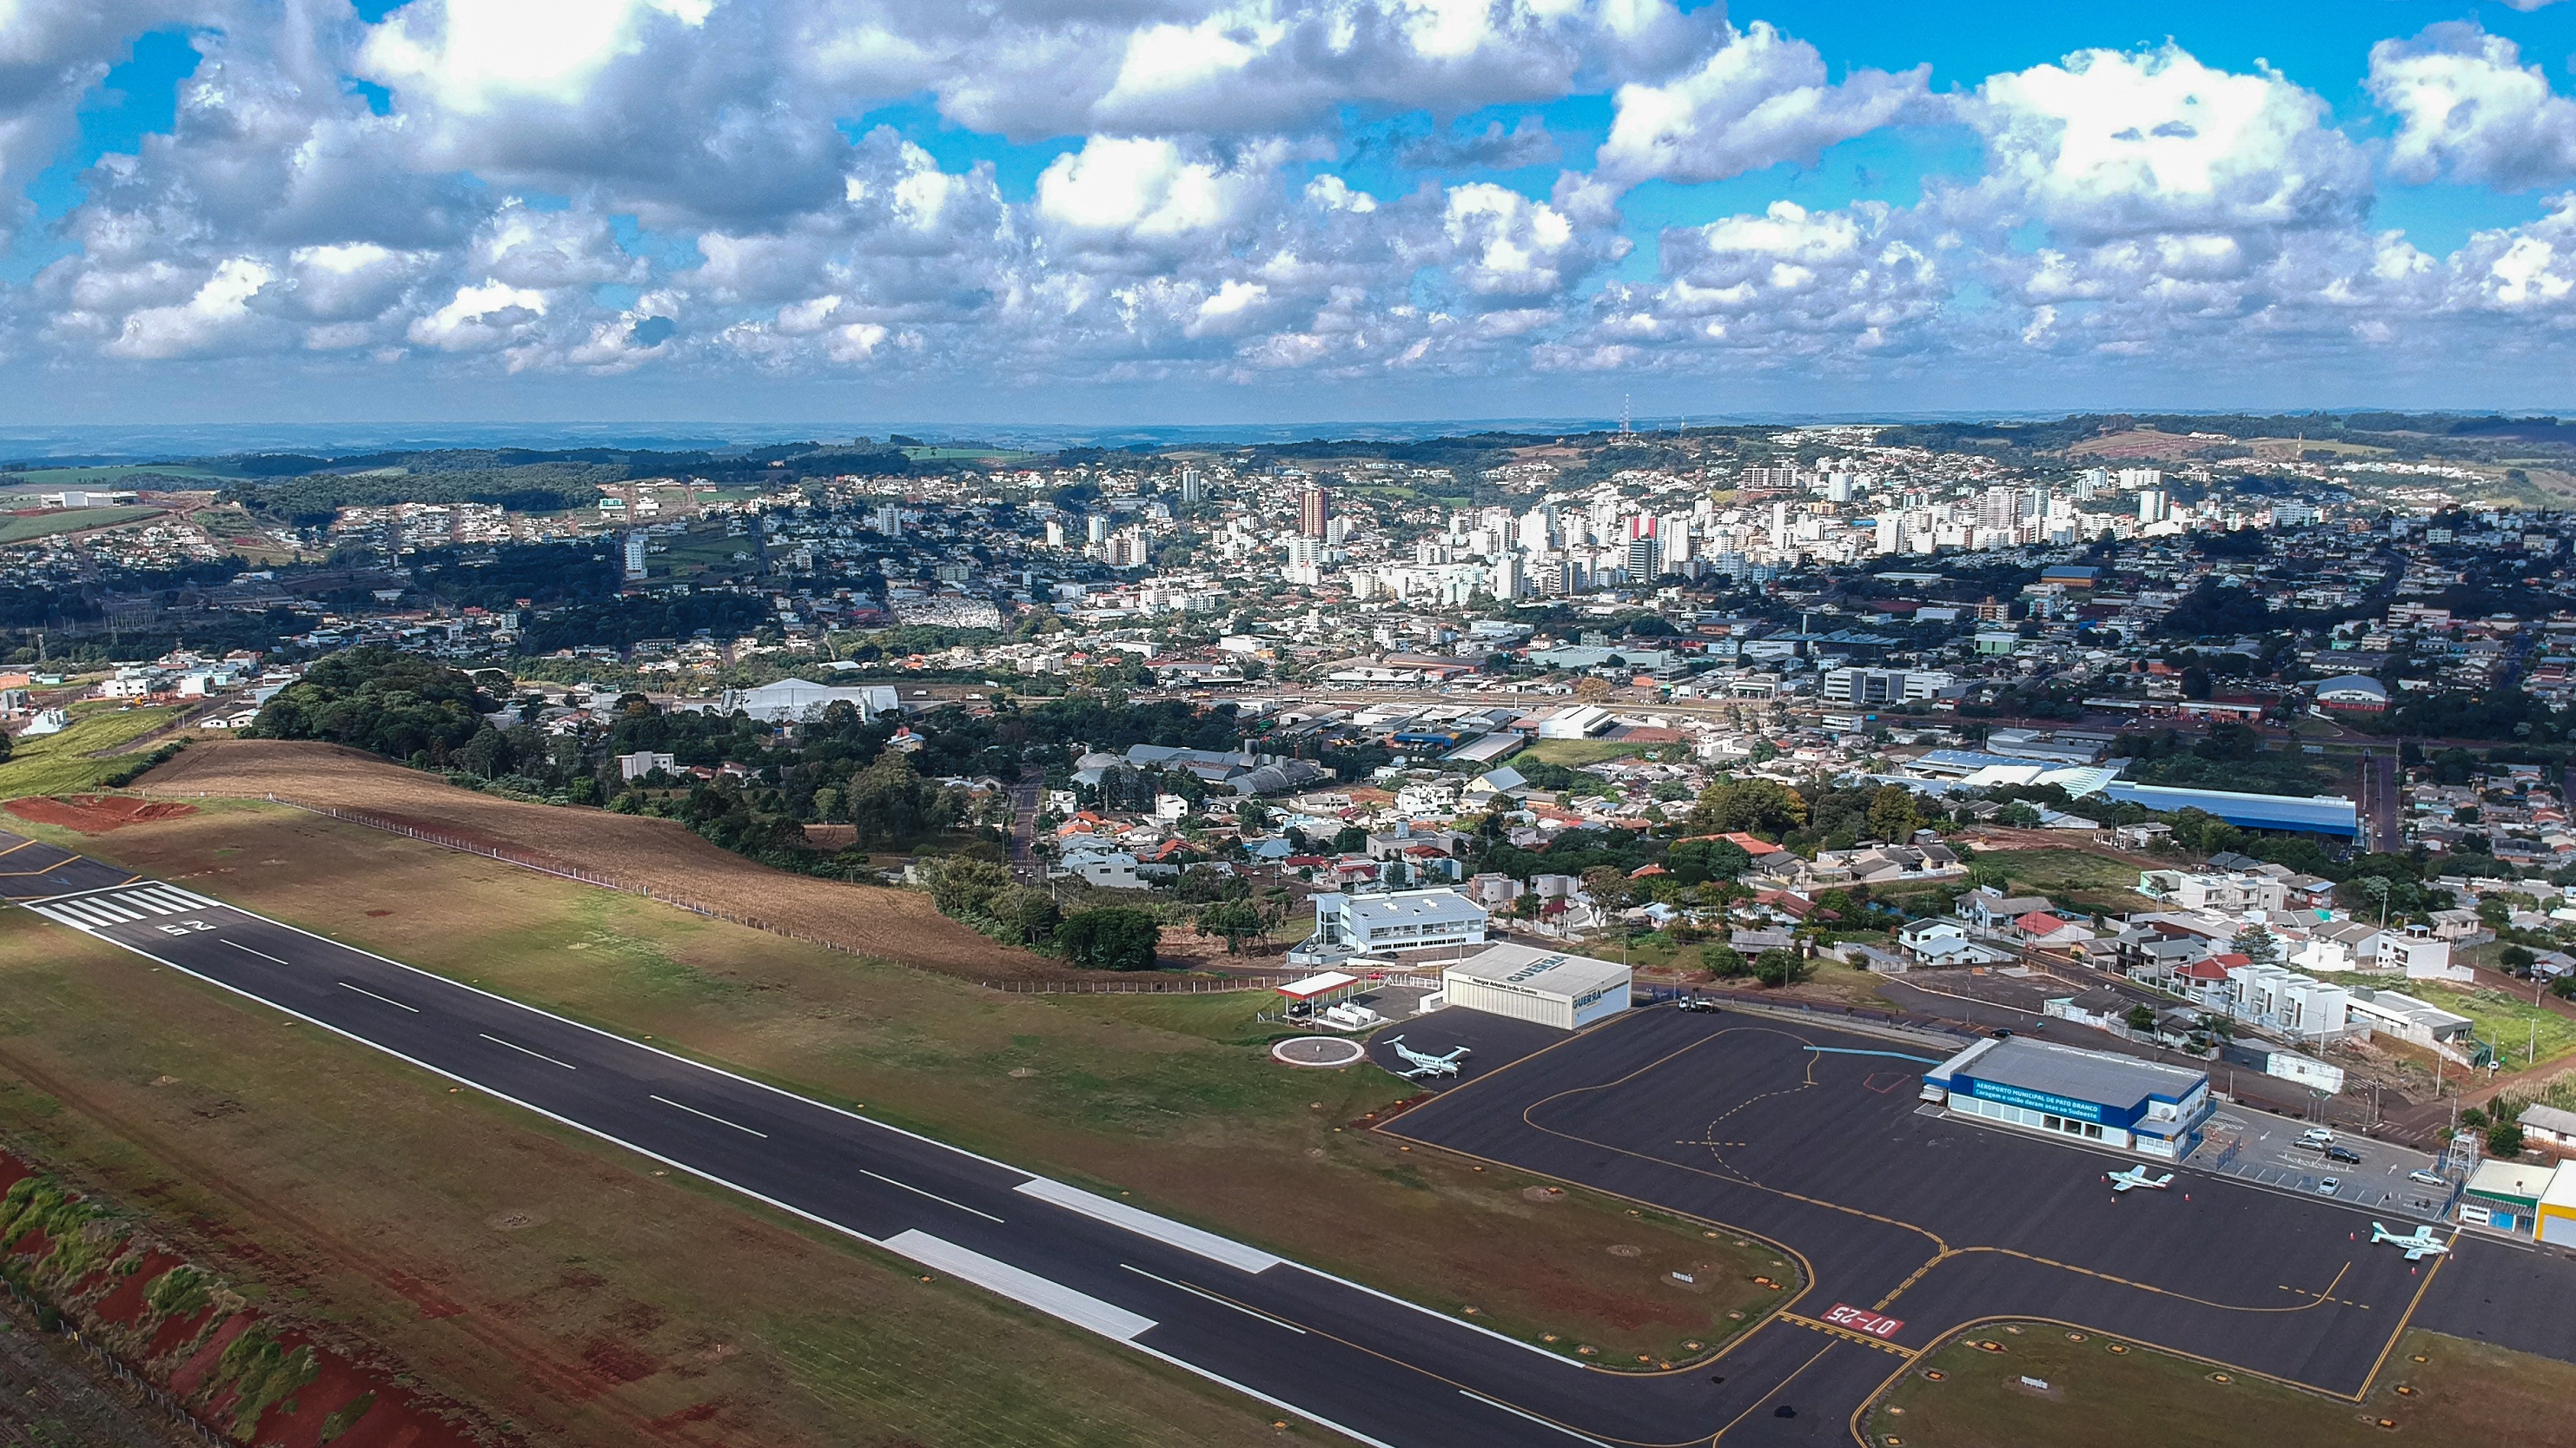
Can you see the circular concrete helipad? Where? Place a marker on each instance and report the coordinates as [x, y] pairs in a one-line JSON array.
[[1328, 1051]]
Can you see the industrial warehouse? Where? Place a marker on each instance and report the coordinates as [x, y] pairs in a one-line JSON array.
[[1548, 987], [2116, 1101]]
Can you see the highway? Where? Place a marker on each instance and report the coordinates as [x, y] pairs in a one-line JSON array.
[[1378, 1370]]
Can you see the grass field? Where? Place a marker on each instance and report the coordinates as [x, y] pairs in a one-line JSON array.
[[1575, 753], [1171, 1099], [67, 520], [2523, 1034], [60, 763], [2073, 877], [2463, 1393]]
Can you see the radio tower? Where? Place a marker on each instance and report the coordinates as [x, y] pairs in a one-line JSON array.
[[1623, 414]]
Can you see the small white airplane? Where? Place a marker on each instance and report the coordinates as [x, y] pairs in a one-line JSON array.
[[2419, 1243], [1421, 1065], [2136, 1177]]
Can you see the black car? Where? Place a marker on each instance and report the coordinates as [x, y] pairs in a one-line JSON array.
[[2344, 1154]]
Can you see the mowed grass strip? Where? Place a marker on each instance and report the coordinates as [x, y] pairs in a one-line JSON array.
[[2463, 1392], [2079, 877], [1575, 753], [2523, 1034], [557, 1283], [1170, 1099], [60, 763]]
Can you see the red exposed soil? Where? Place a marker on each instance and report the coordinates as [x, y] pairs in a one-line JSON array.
[[183, 1353], [95, 814]]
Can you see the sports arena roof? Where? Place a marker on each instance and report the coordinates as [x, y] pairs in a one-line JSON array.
[[2323, 814]]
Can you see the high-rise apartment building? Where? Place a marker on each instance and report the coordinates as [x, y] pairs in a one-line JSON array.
[[1314, 511]]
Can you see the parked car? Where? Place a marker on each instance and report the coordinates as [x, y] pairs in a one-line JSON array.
[[2329, 1187], [2428, 1178], [2344, 1154], [2316, 1136]]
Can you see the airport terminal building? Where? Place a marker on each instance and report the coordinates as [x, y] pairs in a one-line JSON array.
[[1527, 983], [2093, 1096]]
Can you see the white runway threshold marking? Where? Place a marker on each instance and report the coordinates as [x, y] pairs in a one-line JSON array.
[[1023, 1287], [693, 1111], [1146, 1224]]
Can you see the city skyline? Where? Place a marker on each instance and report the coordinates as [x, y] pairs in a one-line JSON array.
[[763, 210]]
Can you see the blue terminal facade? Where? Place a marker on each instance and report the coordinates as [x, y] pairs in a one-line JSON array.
[[2108, 1100]]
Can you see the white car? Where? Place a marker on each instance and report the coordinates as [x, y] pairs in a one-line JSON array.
[[2428, 1178], [2316, 1136], [2329, 1187]]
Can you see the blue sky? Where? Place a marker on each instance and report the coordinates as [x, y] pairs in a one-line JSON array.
[[1218, 210]]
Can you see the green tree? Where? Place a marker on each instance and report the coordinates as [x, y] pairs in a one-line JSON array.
[[2141, 1018], [1028, 913], [1235, 920], [1777, 967], [1892, 816], [2504, 1139], [1109, 937], [1760, 806], [961, 886], [1609, 888], [1721, 960], [2257, 945]]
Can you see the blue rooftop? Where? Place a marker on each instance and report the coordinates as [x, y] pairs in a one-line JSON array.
[[2323, 814]]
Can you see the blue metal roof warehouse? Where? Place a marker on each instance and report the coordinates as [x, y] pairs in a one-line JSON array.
[[2323, 814]]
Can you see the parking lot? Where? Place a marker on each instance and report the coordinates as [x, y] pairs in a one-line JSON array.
[[2268, 1151]]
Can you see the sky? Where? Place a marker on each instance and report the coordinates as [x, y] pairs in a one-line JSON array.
[[1193, 212]]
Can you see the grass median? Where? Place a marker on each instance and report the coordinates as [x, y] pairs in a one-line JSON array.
[[2104, 1392]]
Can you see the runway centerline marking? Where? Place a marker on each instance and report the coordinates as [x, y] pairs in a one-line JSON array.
[[907, 1186], [1226, 1302], [1533, 1417], [388, 1000], [246, 950], [524, 1051], [718, 1120]]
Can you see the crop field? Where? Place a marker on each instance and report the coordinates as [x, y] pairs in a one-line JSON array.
[[27, 527], [1170, 1098], [62, 763], [2461, 1392]]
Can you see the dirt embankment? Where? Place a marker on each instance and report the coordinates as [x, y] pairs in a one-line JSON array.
[[631, 850], [199, 1343], [95, 814]]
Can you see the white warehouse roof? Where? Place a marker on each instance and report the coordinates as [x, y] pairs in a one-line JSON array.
[[1549, 972]]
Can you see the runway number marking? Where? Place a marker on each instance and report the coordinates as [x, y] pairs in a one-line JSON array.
[[246, 950], [187, 926], [718, 1120], [1860, 1319], [524, 1051], [371, 995], [918, 1192]]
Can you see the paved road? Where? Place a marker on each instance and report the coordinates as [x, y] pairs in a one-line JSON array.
[[1381, 1371]]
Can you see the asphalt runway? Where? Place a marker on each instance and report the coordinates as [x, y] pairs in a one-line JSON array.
[[1305, 1343], [1939, 1223]]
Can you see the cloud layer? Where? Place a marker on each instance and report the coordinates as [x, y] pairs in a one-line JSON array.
[[1253, 193]]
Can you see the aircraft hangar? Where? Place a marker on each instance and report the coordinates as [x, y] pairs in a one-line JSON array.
[[1528, 983]]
